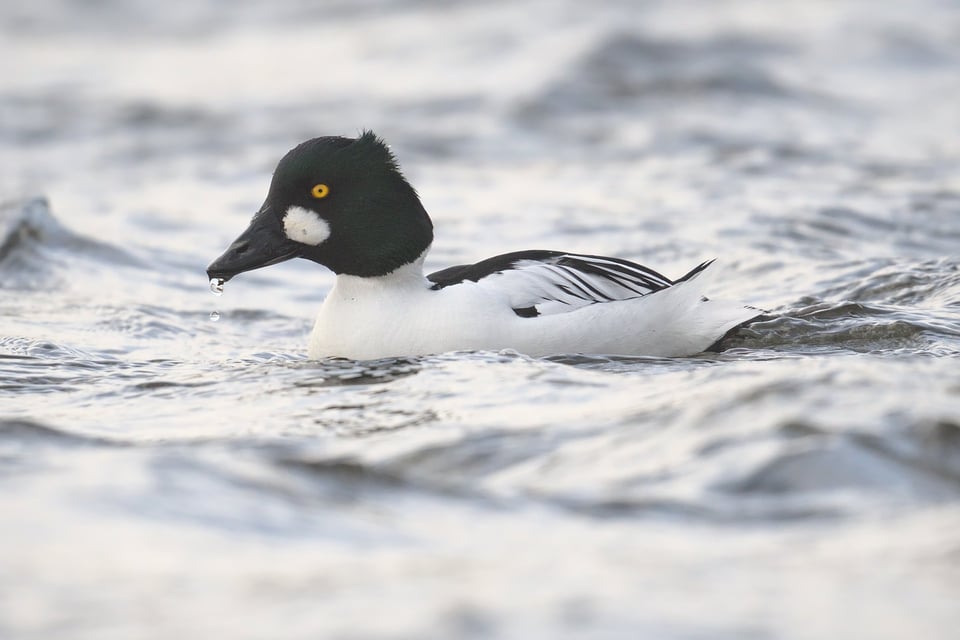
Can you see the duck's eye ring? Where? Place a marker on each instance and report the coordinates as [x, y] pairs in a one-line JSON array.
[[320, 191]]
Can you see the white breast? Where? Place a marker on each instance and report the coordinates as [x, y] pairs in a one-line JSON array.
[[398, 314]]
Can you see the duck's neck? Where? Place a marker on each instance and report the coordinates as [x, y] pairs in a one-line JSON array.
[[406, 276]]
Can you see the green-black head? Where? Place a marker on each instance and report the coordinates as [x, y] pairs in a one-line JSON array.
[[341, 202]]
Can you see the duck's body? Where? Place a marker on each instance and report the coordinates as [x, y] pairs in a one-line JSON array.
[[535, 302], [406, 312]]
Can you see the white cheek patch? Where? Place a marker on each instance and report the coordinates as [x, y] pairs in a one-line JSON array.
[[305, 226]]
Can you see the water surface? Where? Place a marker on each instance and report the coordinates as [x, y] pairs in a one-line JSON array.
[[168, 476]]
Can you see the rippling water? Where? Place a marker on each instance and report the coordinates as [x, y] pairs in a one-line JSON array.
[[166, 476]]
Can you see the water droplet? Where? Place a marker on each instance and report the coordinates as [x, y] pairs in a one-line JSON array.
[[214, 316], [216, 286]]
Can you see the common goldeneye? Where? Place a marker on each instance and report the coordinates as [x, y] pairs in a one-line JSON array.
[[343, 203]]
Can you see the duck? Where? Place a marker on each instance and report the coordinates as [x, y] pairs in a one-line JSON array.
[[343, 203]]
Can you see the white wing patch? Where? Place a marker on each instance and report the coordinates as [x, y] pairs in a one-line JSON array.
[[565, 282], [305, 226]]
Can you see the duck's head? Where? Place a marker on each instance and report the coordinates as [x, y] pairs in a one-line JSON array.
[[341, 202]]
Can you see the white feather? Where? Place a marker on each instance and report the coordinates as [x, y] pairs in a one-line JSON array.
[[555, 286], [400, 314], [305, 226]]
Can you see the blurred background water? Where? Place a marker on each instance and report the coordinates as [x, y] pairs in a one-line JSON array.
[[162, 475]]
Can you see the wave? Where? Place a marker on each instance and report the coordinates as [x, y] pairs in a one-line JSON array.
[[924, 225], [813, 459], [846, 325], [629, 70], [797, 470], [32, 240], [25, 431]]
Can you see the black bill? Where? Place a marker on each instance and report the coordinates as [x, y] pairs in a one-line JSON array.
[[262, 244]]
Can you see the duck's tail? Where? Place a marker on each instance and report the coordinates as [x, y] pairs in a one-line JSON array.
[[708, 319]]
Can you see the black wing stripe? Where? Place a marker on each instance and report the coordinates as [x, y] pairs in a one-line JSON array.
[[526, 312], [546, 282], [623, 282], [594, 291], [615, 274], [697, 269], [567, 290], [630, 268], [577, 283], [631, 286], [490, 266], [648, 278]]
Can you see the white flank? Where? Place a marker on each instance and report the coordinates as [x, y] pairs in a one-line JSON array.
[[305, 226], [400, 314]]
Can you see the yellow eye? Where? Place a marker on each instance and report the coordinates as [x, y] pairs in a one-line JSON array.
[[320, 191]]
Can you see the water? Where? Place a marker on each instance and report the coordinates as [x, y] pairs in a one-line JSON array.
[[167, 476]]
